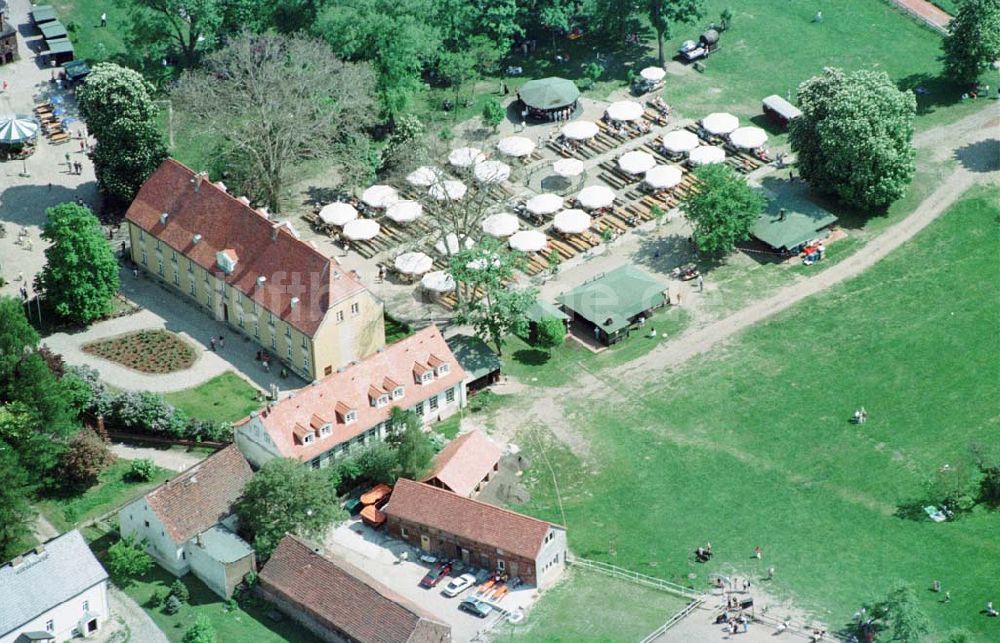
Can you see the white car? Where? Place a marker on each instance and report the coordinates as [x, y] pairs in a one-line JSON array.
[[458, 585]]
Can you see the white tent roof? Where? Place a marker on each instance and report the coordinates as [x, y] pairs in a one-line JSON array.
[[544, 204], [568, 167], [653, 74], [636, 162], [465, 156], [625, 110], [338, 213], [361, 229], [449, 245], [500, 225], [380, 196], [720, 123], [680, 141], [438, 281], [516, 146], [413, 263], [528, 241], [663, 177], [572, 221], [424, 176], [748, 138], [580, 130], [404, 211], [448, 190], [595, 196], [707, 154], [492, 171]]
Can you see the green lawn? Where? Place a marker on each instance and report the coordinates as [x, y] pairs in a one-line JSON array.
[[111, 492], [83, 20], [224, 398], [752, 445], [590, 607]]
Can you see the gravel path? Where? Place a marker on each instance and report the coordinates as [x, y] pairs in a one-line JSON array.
[[140, 625], [173, 459]]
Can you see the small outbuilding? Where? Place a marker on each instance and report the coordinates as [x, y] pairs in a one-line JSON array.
[[465, 465], [786, 230], [780, 110], [609, 304], [477, 359], [544, 97]]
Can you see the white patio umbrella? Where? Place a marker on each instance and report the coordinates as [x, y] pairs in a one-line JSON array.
[[491, 171], [361, 229], [544, 204], [707, 154], [448, 190], [720, 123], [680, 141], [595, 196], [528, 241], [663, 177], [748, 138], [568, 167], [516, 146], [438, 281], [653, 74], [636, 162], [338, 213], [465, 156], [380, 196], [413, 263], [572, 221], [580, 130], [404, 211], [424, 176], [625, 110], [17, 128], [500, 225], [450, 246]]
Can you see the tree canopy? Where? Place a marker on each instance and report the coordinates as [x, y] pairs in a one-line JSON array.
[[973, 40], [899, 614], [723, 210], [853, 139], [414, 450], [80, 277], [15, 510], [664, 13], [187, 27], [550, 332]]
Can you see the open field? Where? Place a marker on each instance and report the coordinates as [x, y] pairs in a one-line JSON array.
[[752, 445], [225, 398]]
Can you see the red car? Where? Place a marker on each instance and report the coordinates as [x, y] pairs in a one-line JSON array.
[[435, 575]]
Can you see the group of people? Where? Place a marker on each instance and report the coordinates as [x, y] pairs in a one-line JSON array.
[[703, 554], [660, 105], [860, 416], [625, 129]]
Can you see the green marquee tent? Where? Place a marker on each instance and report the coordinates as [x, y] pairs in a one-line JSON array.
[[549, 93]]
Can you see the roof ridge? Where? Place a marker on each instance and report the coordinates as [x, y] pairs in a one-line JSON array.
[[434, 489]]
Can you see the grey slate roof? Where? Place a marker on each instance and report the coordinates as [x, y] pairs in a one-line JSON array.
[[64, 569]]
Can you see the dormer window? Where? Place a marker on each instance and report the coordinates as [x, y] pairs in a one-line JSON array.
[[382, 400], [308, 438], [350, 416], [442, 369], [325, 430], [397, 393], [427, 377]]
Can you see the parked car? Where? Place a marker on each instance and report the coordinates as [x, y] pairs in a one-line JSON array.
[[435, 575], [475, 607], [458, 585]]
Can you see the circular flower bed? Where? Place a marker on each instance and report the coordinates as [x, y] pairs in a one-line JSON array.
[[147, 351]]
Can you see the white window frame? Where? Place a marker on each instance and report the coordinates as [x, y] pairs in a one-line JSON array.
[[397, 393], [339, 316], [449, 395], [325, 430], [307, 438], [350, 417], [442, 369], [381, 401], [355, 309]]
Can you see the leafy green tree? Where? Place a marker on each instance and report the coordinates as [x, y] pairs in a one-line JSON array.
[[726, 19], [172, 605], [549, 332], [80, 277], [593, 72], [273, 101], [16, 514], [724, 209], [128, 559], [663, 14], [201, 632], [86, 457], [498, 21], [376, 462], [414, 450], [140, 470], [955, 485], [488, 268], [493, 114], [16, 335], [957, 636], [117, 104], [180, 590], [987, 459], [286, 496], [973, 40], [854, 137], [188, 27], [900, 615], [615, 17], [555, 15]]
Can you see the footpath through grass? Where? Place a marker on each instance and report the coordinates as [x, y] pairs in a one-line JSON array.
[[224, 398], [752, 444]]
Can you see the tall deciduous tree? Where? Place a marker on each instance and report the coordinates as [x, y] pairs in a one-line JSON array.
[[188, 27], [15, 510], [80, 277], [85, 458], [973, 40], [854, 137], [16, 335], [117, 104], [724, 209], [273, 101], [664, 13], [549, 332], [127, 559], [414, 450], [287, 496], [900, 615]]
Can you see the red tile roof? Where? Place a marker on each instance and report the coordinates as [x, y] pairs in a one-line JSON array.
[[292, 268], [465, 461], [479, 522], [340, 595], [348, 390], [202, 495]]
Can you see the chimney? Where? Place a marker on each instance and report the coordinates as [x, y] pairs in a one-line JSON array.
[[274, 231], [198, 178], [295, 302], [196, 238], [261, 281], [164, 217], [221, 186]]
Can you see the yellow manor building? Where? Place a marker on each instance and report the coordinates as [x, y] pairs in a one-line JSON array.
[[255, 274]]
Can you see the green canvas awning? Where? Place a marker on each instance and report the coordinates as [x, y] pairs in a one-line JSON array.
[[475, 357], [59, 46], [541, 309], [76, 69], [802, 222], [43, 13], [54, 29], [549, 93], [612, 300]]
